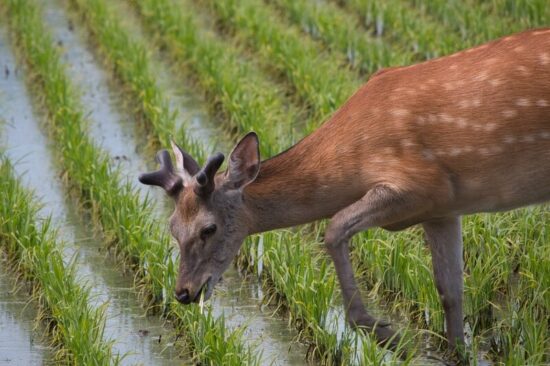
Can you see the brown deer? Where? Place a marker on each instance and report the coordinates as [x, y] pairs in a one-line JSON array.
[[422, 144]]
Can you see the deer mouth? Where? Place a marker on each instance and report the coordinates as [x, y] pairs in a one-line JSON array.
[[207, 288]]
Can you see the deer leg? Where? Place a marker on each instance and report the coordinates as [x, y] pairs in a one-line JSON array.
[[381, 206], [445, 240]]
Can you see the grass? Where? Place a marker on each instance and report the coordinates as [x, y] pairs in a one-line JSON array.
[[30, 241], [121, 214]]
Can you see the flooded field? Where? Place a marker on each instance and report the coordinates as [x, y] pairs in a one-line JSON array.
[[90, 90]]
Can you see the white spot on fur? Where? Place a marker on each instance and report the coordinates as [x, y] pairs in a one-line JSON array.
[[420, 120], [495, 82], [449, 86], [509, 113], [483, 75], [542, 103], [464, 104], [523, 70], [544, 58], [431, 81], [407, 143], [455, 151], [483, 151], [400, 112], [490, 126], [545, 135], [509, 38], [453, 67], [519, 49], [445, 118], [461, 122], [523, 102], [537, 33], [428, 155], [468, 149], [509, 139], [476, 102]]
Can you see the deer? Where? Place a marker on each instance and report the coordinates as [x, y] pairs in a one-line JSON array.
[[423, 144]]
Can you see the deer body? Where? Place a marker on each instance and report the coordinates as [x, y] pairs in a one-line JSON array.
[[422, 144]]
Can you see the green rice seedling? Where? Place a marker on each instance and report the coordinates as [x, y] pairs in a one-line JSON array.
[[76, 327], [230, 82], [342, 32], [315, 76], [529, 13], [116, 206], [475, 21], [404, 27]]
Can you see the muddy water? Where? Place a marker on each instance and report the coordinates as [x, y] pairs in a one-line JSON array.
[[135, 334]]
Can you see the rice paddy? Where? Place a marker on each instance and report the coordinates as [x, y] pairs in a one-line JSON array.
[[92, 89]]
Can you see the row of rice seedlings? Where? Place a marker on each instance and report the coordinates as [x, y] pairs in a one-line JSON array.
[[234, 85], [295, 274], [76, 327], [130, 62], [319, 78], [415, 34], [125, 219], [475, 21], [342, 32], [529, 13]]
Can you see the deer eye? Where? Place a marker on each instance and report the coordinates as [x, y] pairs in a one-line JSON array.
[[208, 231]]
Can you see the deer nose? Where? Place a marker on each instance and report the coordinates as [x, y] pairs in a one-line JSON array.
[[183, 297]]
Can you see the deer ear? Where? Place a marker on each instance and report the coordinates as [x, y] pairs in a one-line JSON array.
[[186, 166], [244, 162]]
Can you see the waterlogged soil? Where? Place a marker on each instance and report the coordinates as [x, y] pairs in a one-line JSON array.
[[144, 339]]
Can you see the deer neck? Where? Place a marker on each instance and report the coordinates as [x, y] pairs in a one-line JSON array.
[[296, 187]]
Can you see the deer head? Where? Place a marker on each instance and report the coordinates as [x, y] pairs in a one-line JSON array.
[[209, 219]]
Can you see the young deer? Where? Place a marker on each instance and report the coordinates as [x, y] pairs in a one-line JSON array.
[[422, 144]]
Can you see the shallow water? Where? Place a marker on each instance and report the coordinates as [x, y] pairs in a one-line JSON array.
[[239, 299], [21, 342], [28, 149]]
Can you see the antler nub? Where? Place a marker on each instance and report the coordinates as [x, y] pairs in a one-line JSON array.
[[165, 176], [205, 177]]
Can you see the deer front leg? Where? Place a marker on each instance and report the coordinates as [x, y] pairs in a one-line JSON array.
[[381, 206], [444, 237]]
